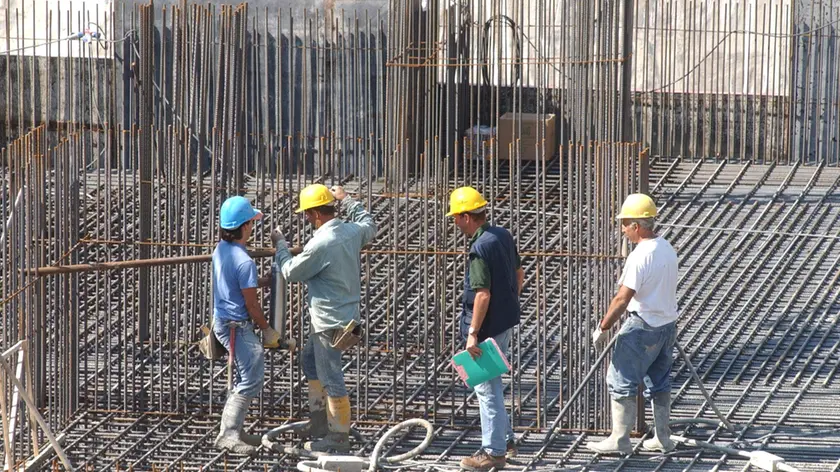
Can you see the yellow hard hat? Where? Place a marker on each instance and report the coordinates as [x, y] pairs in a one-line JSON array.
[[465, 199], [314, 196], [637, 205]]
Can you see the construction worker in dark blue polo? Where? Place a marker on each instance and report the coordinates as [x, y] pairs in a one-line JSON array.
[[492, 287]]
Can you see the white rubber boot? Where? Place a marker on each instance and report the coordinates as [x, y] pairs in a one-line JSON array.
[[623, 418], [661, 440]]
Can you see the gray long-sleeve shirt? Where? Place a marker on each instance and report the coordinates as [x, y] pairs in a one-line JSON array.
[[330, 266]]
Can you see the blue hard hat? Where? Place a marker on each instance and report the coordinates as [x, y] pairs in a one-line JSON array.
[[237, 211]]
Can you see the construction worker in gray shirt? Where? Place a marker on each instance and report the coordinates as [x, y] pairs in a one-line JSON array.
[[330, 266], [644, 346]]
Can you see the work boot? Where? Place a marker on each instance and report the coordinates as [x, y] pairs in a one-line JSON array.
[[661, 441], [338, 421], [481, 461], [230, 431], [317, 427], [623, 418], [251, 439]]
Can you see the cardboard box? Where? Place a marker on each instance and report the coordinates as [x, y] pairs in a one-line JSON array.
[[528, 128]]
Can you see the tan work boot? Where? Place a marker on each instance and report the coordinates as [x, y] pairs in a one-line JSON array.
[[482, 461], [623, 418], [661, 440], [338, 420], [230, 431], [318, 426]]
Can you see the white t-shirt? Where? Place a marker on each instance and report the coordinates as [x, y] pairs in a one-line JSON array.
[[651, 270]]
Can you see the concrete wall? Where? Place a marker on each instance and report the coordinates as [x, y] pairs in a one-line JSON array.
[[745, 127], [33, 25], [735, 72], [561, 40], [57, 92], [816, 85], [679, 38], [43, 21], [302, 14]]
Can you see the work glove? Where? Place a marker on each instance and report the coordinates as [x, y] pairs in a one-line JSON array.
[[599, 338], [271, 338], [338, 192], [278, 239]]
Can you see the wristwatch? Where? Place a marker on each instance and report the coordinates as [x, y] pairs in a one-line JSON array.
[[472, 331]]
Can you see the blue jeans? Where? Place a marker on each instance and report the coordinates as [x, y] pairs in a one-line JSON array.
[[643, 354], [496, 429], [322, 362], [248, 356]]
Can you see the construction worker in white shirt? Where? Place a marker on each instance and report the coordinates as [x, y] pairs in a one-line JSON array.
[[644, 346]]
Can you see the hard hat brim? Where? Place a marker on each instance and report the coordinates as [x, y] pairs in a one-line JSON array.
[[633, 217], [257, 215], [453, 213], [302, 209]]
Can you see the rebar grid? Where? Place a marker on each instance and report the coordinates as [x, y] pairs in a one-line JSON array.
[[767, 355], [403, 371]]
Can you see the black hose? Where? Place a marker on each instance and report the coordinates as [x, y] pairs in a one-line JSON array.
[[485, 45]]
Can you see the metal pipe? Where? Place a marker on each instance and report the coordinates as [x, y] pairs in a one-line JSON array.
[[131, 264]]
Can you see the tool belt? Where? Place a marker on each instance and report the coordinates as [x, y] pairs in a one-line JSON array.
[[349, 336], [210, 346]]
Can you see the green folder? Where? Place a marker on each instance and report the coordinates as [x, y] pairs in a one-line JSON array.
[[491, 364]]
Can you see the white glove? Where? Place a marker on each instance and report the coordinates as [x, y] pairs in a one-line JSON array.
[[599, 337], [271, 338], [338, 192], [278, 239]]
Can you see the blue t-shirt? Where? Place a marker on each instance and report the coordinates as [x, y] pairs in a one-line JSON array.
[[233, 270]]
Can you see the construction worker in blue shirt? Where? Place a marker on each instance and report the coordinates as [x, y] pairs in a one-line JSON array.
[[236, 312], [330, 266], [644, 346], [492, 287]]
